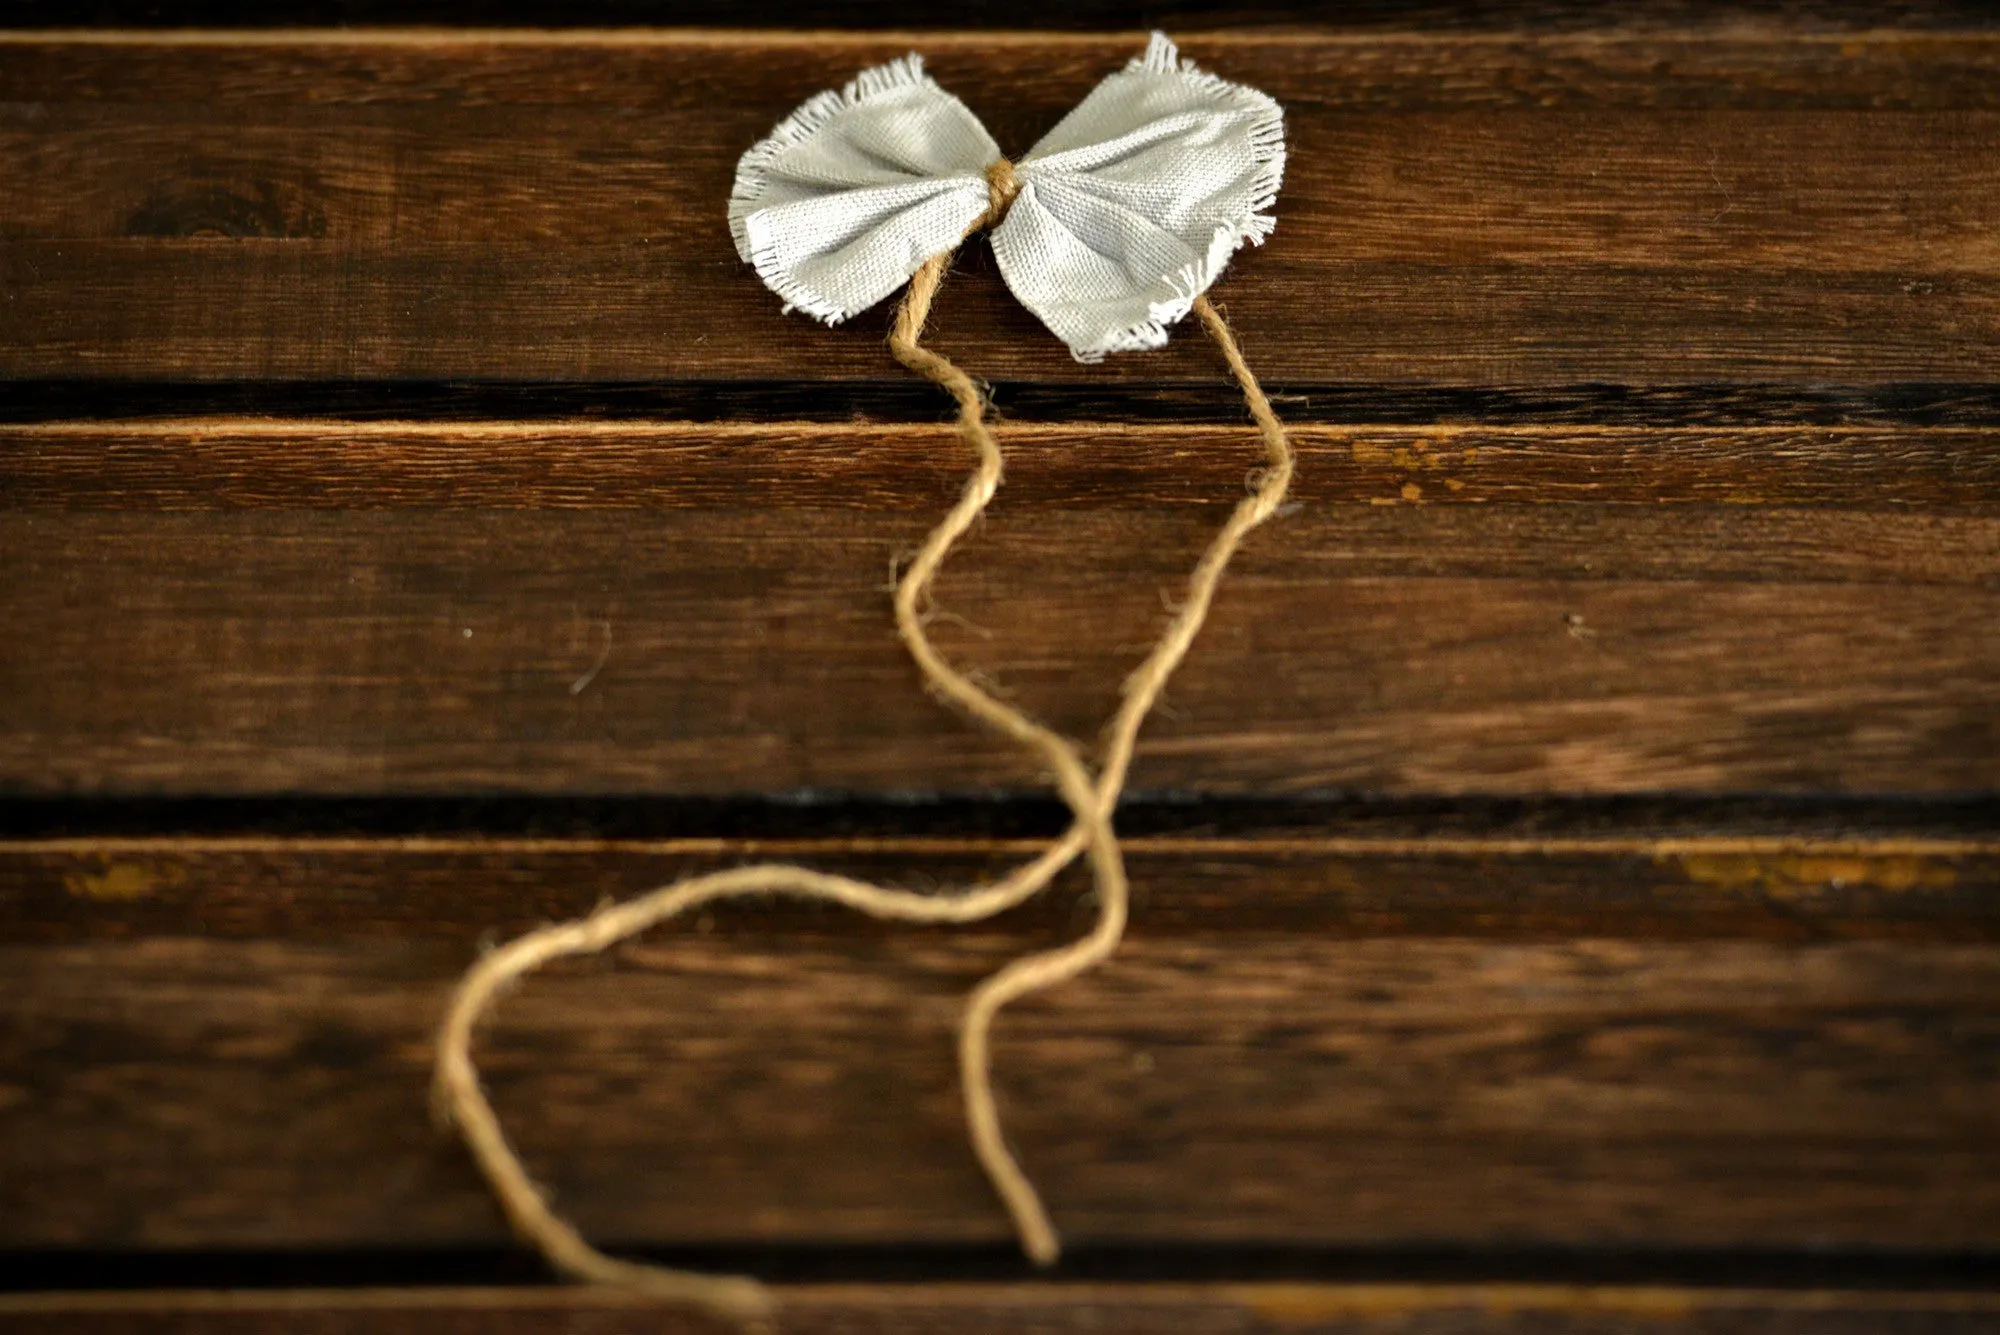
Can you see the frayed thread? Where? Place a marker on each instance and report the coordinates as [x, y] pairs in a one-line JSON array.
[[770, 264], [1160, 57]]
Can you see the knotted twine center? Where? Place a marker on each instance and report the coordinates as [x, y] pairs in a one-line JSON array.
[[1001, 187]]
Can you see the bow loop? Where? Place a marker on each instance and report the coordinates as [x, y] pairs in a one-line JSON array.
[[852, 192]]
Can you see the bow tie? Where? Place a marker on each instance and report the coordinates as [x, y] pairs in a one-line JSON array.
[[1107, 230]]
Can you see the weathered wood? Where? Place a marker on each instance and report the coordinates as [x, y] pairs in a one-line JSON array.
[[1697, 1041], [1271, 1086], [964, 1308], [724, 630], [229, 463], [1654, 209]]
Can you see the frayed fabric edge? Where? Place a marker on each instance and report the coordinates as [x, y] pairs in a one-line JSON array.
[[1267, 151], [812, 116], [795, 295]]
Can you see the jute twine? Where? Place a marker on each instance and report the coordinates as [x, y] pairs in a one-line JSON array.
[[1091, 800]]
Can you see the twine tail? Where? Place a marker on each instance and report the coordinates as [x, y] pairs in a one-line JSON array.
[[1141, 691], [1092, 818]]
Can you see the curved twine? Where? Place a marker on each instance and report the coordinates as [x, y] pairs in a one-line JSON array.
[[457, 1093]]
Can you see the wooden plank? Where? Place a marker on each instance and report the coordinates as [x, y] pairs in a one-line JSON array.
[[1459, 211], [1243, 1086], [222, 631], [234, 463], [1614, 1040], [1237, 1309]]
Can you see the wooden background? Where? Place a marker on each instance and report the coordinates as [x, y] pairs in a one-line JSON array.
[[1567, 870]]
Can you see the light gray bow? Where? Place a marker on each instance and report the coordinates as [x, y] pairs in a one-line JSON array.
[[1126, 211]]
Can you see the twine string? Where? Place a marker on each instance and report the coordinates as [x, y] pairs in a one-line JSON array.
[[458, 1096]]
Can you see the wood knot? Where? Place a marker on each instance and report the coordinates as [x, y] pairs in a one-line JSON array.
[[262, 209], [1001, 187]]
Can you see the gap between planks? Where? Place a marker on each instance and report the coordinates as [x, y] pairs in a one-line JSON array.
[[257, 426], [1334, 845]]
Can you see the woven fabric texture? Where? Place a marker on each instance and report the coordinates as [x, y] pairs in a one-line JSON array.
[[1127, 210]]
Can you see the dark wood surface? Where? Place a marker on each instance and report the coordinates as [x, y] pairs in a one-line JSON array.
[[1716, 1041], [1576, 829], [1234, 1309], [252, 608]]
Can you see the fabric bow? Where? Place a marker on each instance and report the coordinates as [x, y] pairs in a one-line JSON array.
[[1107, 230]]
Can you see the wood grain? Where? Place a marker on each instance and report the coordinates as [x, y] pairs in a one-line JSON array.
[[222, 630], [1213, 1309], [238, 464], [1614, 1040], [371, 206], [1757, 1039], [1266, 1087]]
